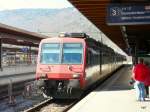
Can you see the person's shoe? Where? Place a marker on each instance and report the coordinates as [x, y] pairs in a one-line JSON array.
[[142, 99]]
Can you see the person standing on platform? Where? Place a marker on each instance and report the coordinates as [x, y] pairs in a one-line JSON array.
[[139, 75], [147, 81]]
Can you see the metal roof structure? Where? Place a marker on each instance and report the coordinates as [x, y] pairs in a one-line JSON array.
[[16, 36], [133, 36]]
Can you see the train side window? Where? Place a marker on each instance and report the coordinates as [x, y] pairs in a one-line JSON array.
[[88, 58]]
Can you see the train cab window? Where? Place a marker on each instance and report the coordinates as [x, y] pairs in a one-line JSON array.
[[72, 53], [50, 53]]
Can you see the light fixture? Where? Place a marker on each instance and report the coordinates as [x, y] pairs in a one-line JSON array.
[[123, 28]]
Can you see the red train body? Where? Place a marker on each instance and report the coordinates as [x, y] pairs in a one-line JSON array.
[[64, 63]]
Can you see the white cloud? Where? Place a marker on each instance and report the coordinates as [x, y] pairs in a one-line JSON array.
[[19, 4]]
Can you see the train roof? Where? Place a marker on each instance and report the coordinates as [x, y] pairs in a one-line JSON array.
[[66, 39], [74, 35]]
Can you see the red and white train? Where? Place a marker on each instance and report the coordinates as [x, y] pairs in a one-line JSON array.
[[69, 65]]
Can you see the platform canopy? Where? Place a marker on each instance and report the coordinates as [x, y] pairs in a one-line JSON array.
[[129, 37], [16, 36]]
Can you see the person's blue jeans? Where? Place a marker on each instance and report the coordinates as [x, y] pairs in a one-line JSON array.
[[140, 90]]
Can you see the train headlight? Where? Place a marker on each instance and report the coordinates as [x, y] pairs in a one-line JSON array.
[[76, 75]]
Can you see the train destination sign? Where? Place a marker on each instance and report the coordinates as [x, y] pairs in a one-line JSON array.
[[118, 14]]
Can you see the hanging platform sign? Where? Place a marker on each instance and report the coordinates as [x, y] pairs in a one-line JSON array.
[[128, 14]]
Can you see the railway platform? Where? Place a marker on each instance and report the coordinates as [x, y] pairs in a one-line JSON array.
[[17, 73], [17, 70], [115, 95]]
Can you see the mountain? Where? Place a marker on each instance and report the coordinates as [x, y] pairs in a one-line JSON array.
[[51, 22], [46, 20]]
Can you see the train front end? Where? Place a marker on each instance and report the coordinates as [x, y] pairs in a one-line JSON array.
[[61, 67]]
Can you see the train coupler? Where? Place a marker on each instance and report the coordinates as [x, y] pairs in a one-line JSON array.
[[69, 90]]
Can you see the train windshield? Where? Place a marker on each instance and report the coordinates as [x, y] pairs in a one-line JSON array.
[[50, 53], [72, 53]]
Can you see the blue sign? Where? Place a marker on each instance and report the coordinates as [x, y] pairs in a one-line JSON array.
[[118, 14], [24, 49]]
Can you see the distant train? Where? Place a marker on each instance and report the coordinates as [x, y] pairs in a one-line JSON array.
[[69, 65]]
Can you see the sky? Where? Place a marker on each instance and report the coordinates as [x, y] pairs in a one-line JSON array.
[[19, 4]]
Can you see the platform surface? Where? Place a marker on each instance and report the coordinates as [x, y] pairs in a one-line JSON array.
[[115, 95], [19, 69], [16, 74]]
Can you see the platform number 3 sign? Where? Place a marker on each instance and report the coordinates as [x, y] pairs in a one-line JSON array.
[[115, 11]]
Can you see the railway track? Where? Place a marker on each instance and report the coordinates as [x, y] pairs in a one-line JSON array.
[[39, 106], [14, 84], [52, 105], [12, 89]]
